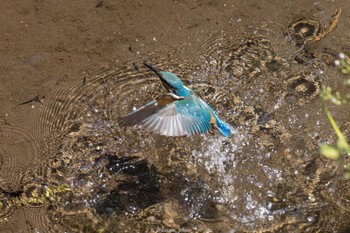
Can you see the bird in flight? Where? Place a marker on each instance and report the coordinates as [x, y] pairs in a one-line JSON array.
[[179, 112]]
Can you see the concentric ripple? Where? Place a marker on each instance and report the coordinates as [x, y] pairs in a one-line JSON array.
[[18, 151], [121, 177]]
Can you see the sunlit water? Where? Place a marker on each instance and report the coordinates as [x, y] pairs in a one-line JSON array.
[[268, 177]]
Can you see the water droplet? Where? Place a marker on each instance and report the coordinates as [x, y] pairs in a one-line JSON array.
[[310, 218], [269, 205]]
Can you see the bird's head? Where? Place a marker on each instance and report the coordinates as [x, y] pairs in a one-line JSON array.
[[170, 81]]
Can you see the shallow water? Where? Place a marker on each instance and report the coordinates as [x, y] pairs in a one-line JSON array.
[[76, 170]]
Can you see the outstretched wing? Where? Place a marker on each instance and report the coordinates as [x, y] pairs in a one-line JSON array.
[[137, 116], [181, 117]]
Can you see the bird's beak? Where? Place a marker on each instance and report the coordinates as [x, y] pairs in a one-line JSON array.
[[159, 74]]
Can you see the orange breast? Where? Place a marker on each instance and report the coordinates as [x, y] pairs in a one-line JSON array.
[[165, 100], [213, 121]]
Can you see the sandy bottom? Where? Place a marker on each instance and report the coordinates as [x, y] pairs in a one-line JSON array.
[[47, 44]]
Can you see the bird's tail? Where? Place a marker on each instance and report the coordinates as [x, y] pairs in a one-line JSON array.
[[223, 128]]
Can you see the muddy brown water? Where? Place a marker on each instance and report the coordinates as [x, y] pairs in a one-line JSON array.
[[70, 70]]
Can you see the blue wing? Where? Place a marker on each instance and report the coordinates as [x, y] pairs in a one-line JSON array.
[[137, 116], [183, 117], [180, 117]]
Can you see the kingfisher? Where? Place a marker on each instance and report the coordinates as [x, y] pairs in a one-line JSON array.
[[177, 113]]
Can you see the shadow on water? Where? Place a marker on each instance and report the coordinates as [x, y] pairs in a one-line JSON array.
[[268, 177]]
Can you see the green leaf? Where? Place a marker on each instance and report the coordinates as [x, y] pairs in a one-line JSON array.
[[342, 145], [329, 152], [347, 175]]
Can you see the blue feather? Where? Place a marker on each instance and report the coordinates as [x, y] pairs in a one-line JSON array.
[[180, 112]]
